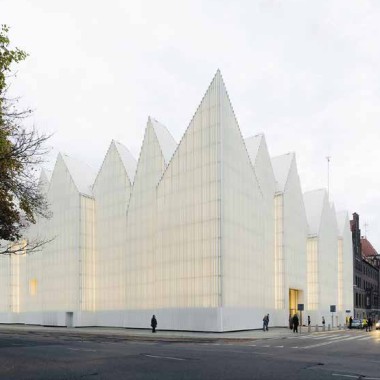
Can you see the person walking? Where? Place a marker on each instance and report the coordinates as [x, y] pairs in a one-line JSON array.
[[308, 320], [295, 323], [369, 324], [323, 322], [153, 323], [350, 322], [265, 323]]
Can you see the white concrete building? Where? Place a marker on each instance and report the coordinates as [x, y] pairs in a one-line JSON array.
[[208, 234]]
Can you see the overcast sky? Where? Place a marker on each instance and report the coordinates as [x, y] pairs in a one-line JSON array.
[[304, 73]]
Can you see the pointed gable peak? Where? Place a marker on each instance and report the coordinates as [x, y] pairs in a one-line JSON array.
[[314, 202], [253, 145], [45, 175], [342, 221], [126, 158], [281, 168], [166, 141], [82, 175]]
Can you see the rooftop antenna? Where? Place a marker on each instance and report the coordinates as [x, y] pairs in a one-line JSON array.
[[365, 229], [328, 176]]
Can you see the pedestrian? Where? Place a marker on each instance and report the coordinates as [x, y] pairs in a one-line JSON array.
[[323, 321], [308, 320], [290, 322], [350, 322], [369, 322], [153, 323], [265, 323], [295, 323]]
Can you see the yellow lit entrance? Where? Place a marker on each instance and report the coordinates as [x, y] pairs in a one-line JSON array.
[[293, 301]]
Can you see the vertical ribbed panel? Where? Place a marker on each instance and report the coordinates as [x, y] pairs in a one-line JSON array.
[[247, 264], [188, 219], [141, 225], [112, 191], [295, 236], [87, 254], [322, 252], [60, 282]]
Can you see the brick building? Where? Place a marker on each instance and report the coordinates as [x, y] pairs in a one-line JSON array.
[[366, 269]]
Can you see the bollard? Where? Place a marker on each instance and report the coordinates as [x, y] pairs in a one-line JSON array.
[[329, 327], [316, 328]]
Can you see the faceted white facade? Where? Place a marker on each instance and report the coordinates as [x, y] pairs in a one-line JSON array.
[[209, 234], [291, 232]]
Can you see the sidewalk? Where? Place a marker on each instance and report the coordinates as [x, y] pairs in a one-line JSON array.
[[146, 335]]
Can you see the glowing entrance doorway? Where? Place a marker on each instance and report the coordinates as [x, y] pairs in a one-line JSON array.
[[293, 301]]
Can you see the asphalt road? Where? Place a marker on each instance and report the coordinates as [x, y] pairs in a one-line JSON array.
[[330, 355]]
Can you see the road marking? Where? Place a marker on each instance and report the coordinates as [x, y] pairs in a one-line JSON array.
[[335, 338], [253, 345], [339, 374], [365, 338], [279, 346], [164, 357], [80, 349], [327, 343], [267, 345], [294, 347]]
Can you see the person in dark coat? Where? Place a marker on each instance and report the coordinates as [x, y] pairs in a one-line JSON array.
[[153, 323], [308, 320], [369, 322], [296, 322], [350, 323], [265, 323]]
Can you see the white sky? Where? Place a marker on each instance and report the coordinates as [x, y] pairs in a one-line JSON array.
[[304, 73]]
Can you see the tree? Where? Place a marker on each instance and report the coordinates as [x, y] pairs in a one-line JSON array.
[[22, 150]]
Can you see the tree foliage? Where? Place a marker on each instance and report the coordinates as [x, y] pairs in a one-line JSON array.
[[21, 152]]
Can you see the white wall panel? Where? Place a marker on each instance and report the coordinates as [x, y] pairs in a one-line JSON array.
[[141, 224], [187, 240], [247, 265], [112, 190]]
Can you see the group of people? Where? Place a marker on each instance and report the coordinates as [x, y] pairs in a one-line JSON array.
[[367, 323]]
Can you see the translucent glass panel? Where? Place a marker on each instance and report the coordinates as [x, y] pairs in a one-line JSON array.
[[312, 274], [141, 225], [328, 264], [15, 283], [112, 191], [247, 265], [280, 289], [34, 263], [60, 260], [295, 234], [5, 284], [323, 264], [87, 255], [188, 236]]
